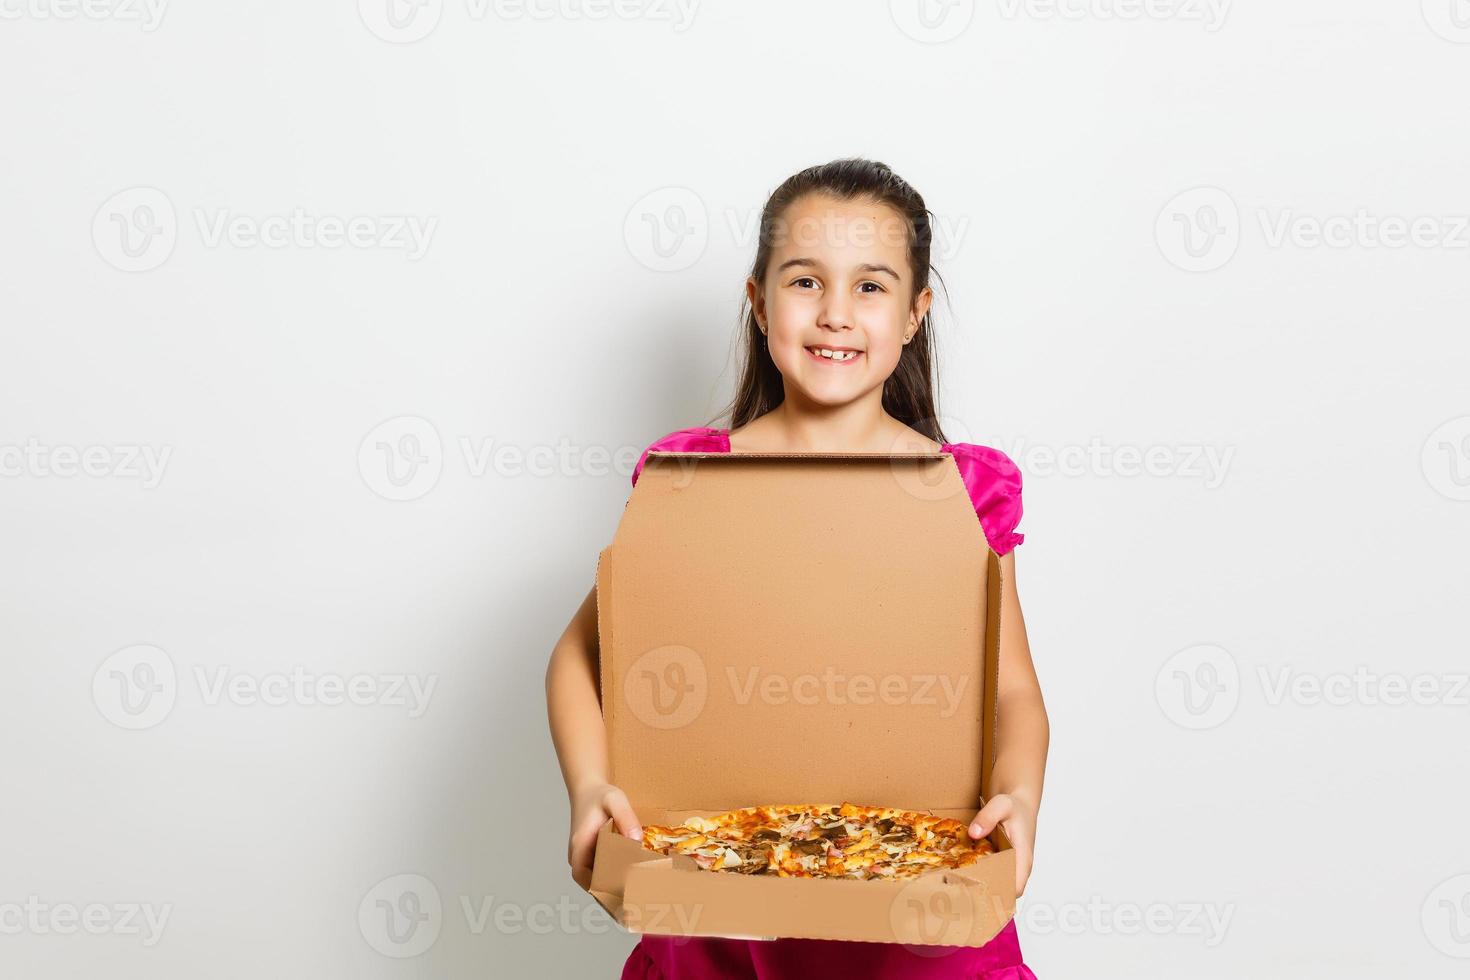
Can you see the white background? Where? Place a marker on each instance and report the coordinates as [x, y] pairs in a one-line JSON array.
[[543, 315]]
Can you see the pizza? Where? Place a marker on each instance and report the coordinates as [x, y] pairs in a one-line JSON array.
[[816, 841]]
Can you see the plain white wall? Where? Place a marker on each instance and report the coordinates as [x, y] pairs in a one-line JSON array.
[[1129, 195]]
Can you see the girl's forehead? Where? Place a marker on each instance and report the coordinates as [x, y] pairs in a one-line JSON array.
[[830, 229]]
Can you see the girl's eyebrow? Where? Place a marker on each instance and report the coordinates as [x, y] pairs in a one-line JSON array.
[[813, 263]]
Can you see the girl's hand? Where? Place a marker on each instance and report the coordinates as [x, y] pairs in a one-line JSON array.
[[591, 808], [1017, 817]]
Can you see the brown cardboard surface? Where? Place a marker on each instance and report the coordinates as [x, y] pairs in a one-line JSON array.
[[799, 628]]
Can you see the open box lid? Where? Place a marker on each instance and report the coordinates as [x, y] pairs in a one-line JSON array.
[[791, 628]]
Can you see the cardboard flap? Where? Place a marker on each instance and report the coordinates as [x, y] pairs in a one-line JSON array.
[[937, 909], [785, 628]]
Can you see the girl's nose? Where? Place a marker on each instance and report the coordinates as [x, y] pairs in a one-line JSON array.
[[836, 315]]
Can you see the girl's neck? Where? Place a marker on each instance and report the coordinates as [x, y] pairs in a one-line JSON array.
[[858, 427]]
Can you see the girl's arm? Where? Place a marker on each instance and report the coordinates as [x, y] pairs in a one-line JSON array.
[[1022, 737], [581, 741]]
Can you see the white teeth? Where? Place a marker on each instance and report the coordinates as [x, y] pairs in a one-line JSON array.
[[846, 355]]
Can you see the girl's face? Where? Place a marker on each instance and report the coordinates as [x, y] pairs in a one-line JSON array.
[[838, 283]]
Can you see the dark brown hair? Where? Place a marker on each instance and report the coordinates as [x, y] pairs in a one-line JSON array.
[[908, 393]]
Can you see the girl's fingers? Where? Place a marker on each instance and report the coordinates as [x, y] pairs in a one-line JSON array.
[[1021, 844], [579, 851], [622, 814], [998, 809]]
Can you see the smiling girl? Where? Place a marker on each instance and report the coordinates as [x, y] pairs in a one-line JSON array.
[[837, 358]]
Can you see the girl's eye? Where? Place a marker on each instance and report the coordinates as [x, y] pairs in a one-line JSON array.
[[870, 282], [802, 280]]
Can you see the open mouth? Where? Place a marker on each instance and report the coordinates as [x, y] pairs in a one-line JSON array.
[[834, 355]]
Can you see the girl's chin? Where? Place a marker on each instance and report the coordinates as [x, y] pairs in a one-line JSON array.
[[831, 395]]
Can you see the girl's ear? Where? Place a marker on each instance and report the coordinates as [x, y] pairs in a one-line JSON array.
[[757, 301], [917, 314]]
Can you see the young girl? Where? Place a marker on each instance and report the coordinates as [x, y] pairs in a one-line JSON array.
[[837, 358]]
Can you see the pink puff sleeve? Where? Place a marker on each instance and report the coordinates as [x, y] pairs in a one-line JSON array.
[[701, 439], [994, 483]]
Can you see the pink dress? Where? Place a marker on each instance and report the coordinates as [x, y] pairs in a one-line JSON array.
[[994, 484]]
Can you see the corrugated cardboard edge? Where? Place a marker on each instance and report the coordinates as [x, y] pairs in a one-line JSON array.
[[994, 582]]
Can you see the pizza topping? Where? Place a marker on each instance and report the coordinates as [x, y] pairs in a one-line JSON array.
[[846, 841]]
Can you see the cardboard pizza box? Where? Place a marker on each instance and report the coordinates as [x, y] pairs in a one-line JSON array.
[[799, 628]]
